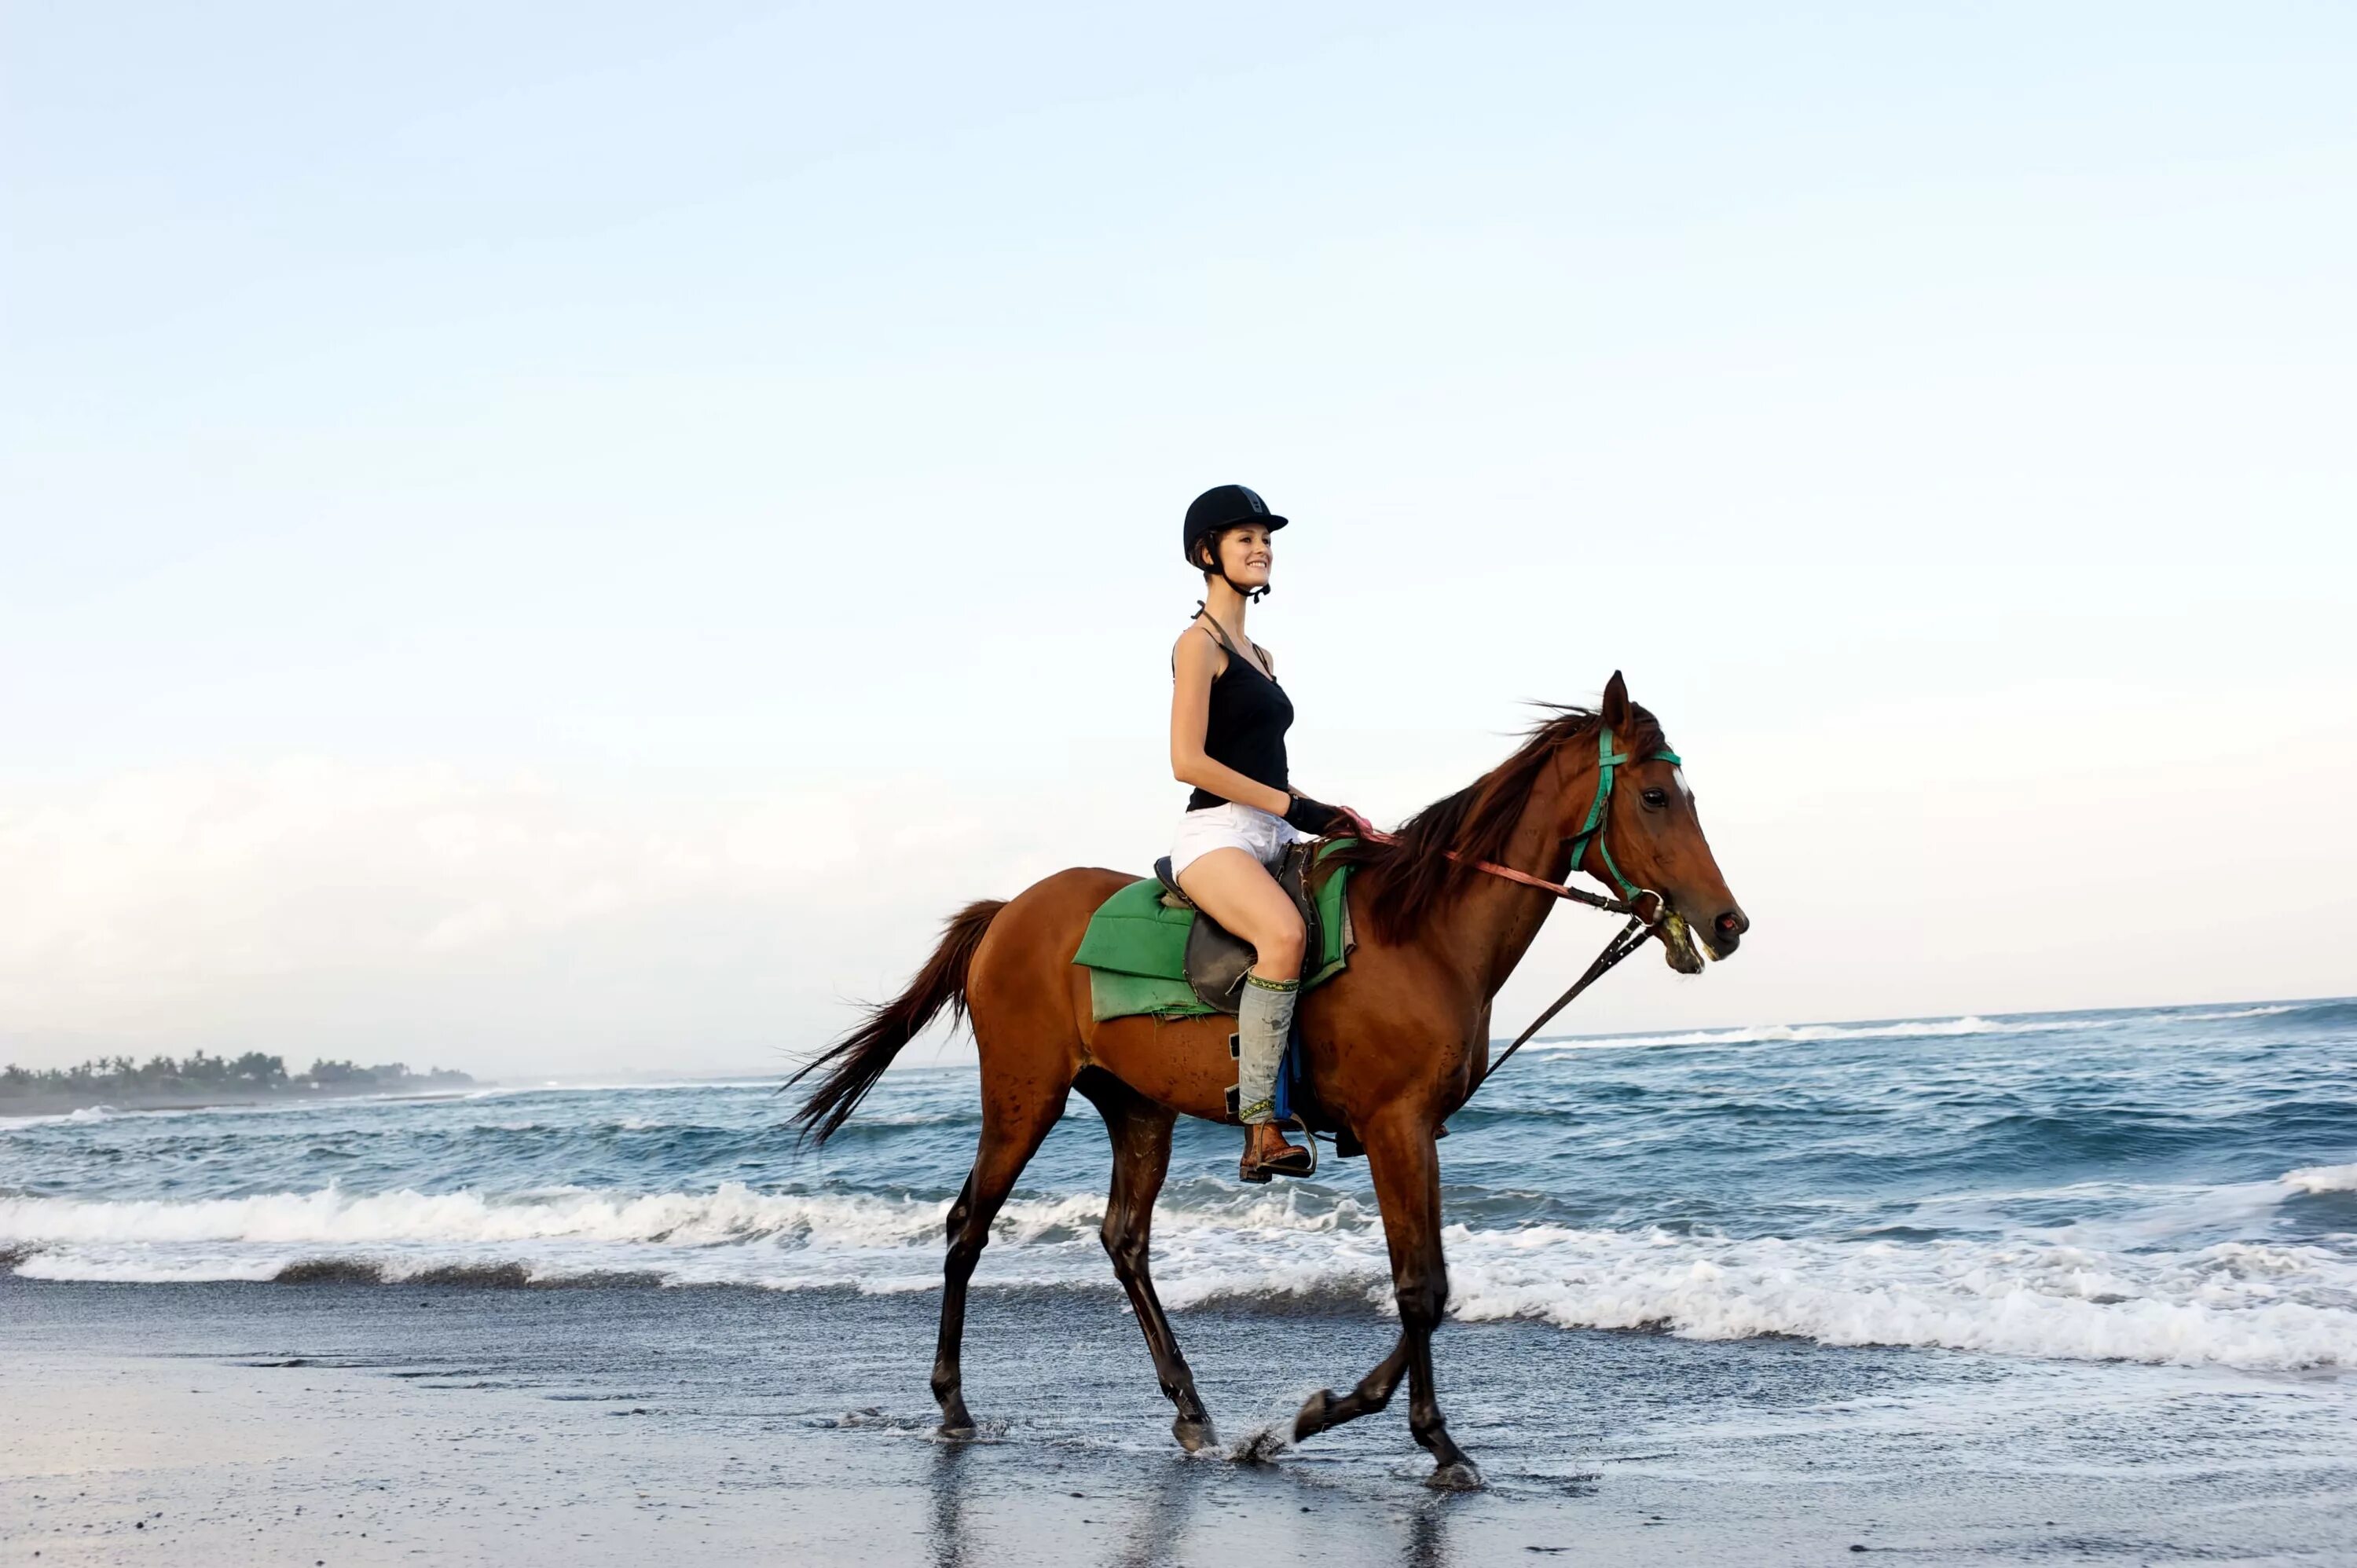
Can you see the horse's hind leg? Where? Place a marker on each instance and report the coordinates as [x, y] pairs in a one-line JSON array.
[[1013, 1123], [1406, 1171], [1141, 1156]]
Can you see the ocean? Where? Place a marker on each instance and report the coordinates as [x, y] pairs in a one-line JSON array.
[[2166, 1186]]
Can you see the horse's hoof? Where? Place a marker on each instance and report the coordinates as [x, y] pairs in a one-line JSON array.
[[956, 1431], [1456, 1476], [1261, 1448], [1312, 1418], [1194, 1437]]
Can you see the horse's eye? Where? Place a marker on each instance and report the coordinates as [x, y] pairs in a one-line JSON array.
[[1657, 798]]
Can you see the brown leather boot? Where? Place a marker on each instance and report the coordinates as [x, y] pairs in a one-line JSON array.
[[1267, 1152]]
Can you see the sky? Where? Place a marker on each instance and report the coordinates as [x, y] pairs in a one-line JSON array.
[[566, 547]]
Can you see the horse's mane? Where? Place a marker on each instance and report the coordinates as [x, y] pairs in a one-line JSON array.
[[1413, 876]]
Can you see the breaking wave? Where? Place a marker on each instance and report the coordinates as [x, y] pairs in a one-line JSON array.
[[1811, 1034], [2159, 1186], [81, 1118], [2322, 1178], [2237, 1304], [1902, 1029]]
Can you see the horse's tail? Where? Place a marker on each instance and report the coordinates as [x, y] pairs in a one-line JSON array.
[[854, 1062]]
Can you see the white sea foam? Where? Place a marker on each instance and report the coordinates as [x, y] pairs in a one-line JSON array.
[[2055, 1294], [87, 1114], [292, 1107], [331, 1215], [1895, 1029], [2322, 1178], [651, 1086], [1772, 1034], [2235, 1304]]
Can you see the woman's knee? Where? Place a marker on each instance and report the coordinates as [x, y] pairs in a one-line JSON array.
[[1280, 946]]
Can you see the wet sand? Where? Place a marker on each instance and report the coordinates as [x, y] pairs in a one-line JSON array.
[[346, 1424]]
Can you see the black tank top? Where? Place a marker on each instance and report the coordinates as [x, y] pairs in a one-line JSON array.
[[1245, 730]]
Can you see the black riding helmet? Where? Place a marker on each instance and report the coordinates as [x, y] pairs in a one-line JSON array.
[[1222, 507]]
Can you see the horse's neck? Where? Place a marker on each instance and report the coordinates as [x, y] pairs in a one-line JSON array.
[[1500, 919]]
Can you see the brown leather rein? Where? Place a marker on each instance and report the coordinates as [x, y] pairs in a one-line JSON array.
[[1633, 936]]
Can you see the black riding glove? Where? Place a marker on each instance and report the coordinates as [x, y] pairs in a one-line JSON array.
[[1315, 818]]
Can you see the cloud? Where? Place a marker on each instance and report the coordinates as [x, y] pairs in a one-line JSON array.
[[1977, 854], [303, 898]]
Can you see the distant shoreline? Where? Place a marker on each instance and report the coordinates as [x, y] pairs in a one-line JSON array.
[[203, 1081]]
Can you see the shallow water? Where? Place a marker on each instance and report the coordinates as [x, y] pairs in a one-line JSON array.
[[396, 1424], [411, 1422], [2172, 1184]]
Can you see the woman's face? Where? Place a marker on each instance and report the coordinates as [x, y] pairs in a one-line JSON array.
[[1245, 556]]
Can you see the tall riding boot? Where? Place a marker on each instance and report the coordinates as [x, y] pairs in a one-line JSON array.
[[1263, 1023]]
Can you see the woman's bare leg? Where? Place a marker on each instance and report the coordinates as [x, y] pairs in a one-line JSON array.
[[1236, 890]]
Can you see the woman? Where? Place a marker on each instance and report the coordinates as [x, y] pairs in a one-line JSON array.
[[1228, 719]]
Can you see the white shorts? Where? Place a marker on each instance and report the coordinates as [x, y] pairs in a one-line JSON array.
[[1229, 826]]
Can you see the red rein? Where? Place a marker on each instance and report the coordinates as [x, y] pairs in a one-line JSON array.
[[1368, 831]]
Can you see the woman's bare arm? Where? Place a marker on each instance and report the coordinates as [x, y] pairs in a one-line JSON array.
[[1195, 664]]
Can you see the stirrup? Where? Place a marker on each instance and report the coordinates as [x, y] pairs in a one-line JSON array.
[[1298, 1162]]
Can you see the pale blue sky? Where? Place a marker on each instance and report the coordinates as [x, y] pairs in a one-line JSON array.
[[564, 538]]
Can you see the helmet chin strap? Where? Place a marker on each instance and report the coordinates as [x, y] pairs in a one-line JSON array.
[[1249, 595]]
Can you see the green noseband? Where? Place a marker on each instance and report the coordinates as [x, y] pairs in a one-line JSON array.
[[1608, 761]]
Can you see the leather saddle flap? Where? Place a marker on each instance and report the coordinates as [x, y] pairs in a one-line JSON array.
[[1217, 958]]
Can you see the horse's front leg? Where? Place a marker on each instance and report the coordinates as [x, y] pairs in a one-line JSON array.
[[1406, 1171]]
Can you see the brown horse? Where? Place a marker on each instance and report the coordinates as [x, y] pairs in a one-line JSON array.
[[1393, 1045]]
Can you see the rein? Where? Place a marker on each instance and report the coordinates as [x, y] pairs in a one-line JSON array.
[[1642, 925]]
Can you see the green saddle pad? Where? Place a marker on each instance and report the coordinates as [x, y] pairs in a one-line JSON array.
[[1135, 948]]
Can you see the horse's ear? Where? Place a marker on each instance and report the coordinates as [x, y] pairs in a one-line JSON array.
[[1615, 710]]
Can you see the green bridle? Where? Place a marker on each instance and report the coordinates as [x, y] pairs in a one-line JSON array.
[[1608, 761], [1641, 925]]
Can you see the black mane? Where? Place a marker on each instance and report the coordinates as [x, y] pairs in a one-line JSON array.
[[1413, 876]]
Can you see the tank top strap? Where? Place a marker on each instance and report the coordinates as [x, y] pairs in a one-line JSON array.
[[1220, 635], [1204, 622], [1245, 721]]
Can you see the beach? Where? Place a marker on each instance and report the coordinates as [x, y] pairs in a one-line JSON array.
[[588, 628], [2053, 1287], [354, 1423]]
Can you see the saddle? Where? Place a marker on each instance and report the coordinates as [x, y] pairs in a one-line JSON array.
[[1216, 956]]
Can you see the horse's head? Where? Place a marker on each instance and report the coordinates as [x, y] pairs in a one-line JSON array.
[[1652, 839]]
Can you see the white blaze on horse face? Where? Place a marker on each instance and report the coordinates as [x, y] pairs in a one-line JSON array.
[[1683, 788]]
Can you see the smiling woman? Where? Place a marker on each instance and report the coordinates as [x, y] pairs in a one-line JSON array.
[[1228, 719]]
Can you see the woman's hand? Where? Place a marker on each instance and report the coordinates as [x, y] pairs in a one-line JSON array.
[[1315, 817]]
